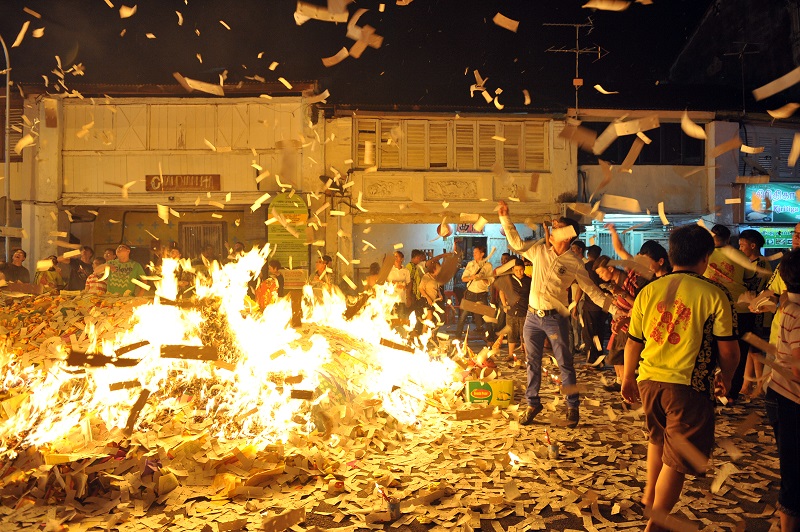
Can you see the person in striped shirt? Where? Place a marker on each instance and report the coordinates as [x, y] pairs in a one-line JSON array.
[[783, 395], [94, 285]]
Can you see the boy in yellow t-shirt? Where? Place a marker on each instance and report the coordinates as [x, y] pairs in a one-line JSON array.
[[682, 326]]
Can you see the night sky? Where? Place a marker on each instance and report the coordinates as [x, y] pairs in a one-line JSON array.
[[428, 46]]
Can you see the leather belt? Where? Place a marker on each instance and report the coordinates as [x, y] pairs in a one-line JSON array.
[[542, 313]]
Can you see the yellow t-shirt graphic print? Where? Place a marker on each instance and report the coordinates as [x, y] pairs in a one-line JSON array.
[[678, 326], [670, 323]]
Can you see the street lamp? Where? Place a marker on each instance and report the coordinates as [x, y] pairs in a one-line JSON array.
[[7, 155]]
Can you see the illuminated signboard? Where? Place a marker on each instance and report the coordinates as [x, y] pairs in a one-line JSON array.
[[772, 203], [774, 237]]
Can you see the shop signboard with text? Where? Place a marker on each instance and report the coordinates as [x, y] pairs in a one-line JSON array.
[[772, 203]]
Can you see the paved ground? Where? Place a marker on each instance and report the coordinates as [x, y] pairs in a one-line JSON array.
[[499, 476]]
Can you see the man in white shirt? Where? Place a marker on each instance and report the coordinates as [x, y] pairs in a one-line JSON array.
[[400, 277], [478, 276], [555, 268]]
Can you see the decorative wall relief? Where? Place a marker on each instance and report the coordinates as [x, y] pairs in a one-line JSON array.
[[451, 189], [387, 189]]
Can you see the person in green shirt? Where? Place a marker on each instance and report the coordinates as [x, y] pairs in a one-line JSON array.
[[682, 326], [123, 271]]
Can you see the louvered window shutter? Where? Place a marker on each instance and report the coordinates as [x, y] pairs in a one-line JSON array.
[[16, 130], [415, 145], [438, 140], [465, 145], [536, 146], [512, 146], [366, 132], [487, 146], [389, 152]]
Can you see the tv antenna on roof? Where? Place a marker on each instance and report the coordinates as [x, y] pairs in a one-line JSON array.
[[598, 50], [741, 53]]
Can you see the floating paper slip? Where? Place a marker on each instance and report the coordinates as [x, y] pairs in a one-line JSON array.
[[23, 143], [322, 97], [350, 283], [560, 234], [621, 203], [260, 201], [43, 265], [386, 267], [645, 138], [444, 230], [795, 151], [21, 34], [631, 127], [741, 259], [340, 56], [73, 253], [661, 213], [599, 88], [607, 5], [732, 201], [778, 85], [583, 137], [202, 86], [450, 264], [480, 224], [163, 212], [527, 96], [784, 112], [690, 128], [606, 138], [126, 12], [724, 472], [607, 175], [760, 344], [505, 22], [752, 150], [727, 146], [320, 13], [633, 154]]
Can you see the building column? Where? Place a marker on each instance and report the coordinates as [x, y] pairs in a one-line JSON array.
[[39, 204]]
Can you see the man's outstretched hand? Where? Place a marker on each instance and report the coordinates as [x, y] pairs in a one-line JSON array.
[[502, 208]]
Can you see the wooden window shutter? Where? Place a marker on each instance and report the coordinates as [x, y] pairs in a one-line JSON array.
[[487, 146], [416, 144], [536, 146], [512, 147], [16, 130], [366, 132], [389, 152], [465, 145], [438, 137]]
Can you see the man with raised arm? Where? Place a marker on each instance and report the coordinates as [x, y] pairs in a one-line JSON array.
[[555, 267]]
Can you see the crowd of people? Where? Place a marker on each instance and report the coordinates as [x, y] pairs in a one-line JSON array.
[[671, 324]]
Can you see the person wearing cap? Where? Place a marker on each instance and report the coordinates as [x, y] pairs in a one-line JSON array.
[[122, 272], [555, 267]]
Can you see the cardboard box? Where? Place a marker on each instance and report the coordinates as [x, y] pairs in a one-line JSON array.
[[492, 392]]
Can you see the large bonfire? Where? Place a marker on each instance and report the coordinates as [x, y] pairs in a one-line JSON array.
[[156, 399]]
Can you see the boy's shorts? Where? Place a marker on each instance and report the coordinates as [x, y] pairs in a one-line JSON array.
[[616, 351], [676, 414], [516, 323]]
